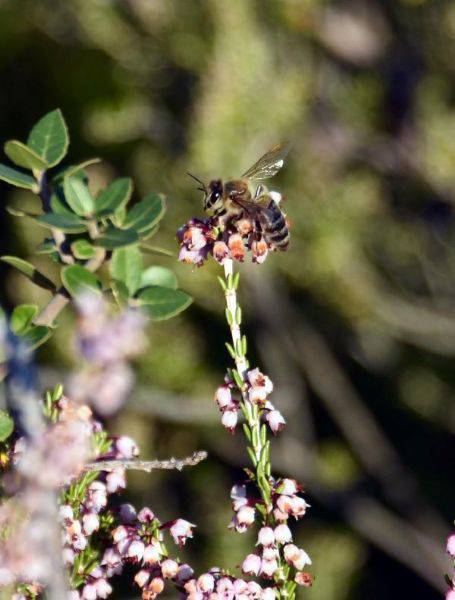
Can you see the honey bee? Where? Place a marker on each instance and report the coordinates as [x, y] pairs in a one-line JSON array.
[[240, 198]]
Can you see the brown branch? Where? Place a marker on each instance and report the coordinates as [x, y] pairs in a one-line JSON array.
[[148, 465]]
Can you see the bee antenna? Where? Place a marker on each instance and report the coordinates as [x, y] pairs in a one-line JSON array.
[[204, 187]]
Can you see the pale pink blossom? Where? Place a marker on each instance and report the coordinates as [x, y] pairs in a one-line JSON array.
[[90, 523], [252, 564], [229, 420], [206, 582], [283, 534], [268, 594], [126, 448], [181, 530], [451, 545], [116, 480], [103, 588], [223, 398], [268, 567], [145, 515], [151, 554], [275, 420], [136, 550], [142, 577], [89, 592], [266, 536], [169, 568], [288, 486]]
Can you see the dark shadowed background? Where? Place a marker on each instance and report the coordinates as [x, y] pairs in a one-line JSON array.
[[355, 324]]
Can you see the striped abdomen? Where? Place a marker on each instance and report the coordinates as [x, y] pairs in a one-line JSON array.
[[274, 227]]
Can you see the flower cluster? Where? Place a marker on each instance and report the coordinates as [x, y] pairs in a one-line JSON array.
[[200, 238], [285, 503], [98, 537], [106, 343], [214, 585], [258, 387]]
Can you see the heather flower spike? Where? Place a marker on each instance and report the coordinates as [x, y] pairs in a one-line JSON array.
[[228, 235]]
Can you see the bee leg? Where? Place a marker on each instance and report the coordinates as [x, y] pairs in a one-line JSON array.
[[259, 191]]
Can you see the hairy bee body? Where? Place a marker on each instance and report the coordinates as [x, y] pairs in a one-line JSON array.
[[237, 199]]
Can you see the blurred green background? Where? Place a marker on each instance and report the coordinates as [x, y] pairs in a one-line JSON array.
[[355, 324]]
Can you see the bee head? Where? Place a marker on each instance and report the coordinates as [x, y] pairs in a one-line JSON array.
[[213, 194]]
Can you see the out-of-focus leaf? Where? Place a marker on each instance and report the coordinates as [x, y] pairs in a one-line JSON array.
[[77, 280], [145, 214], [162, 303], [82, 249], [29, 271], [37, 335], [117, 238], [6, 425], [17, 178], [22, 317], [126, 266], [120, 291], [75, 170], [157, 275], [46, 247], [157, 251], [67, 223], [114, 197], [49, 138], [23, 156], [78, 196]]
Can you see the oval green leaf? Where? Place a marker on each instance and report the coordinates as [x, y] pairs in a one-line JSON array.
[[67, 223], [163, 303], [6, 425], [126, 267], [114, 197], [78, 196], [23, 156], [49, 138], [17, 178], [158, 275], [37, 335], [145, 214], [78, 280], [116, 238], [22, 318], [30, 271], [82, 249]]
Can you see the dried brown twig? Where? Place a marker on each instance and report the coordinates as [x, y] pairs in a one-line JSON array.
[[149, 465]]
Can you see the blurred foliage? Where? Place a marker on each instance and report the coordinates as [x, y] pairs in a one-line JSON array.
[[361, 337]]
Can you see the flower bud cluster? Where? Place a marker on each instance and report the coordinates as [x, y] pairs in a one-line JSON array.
[[200, 238], [214, 585]]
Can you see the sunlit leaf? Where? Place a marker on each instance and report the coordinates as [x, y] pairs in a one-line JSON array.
[[22, 318], [6, 425], [82, 249], [17, 178], [77, 280], [162, 303], [67, 223], [126, 266], [114, 197], [23, 156], [49, 138], [145, 214], [78, 196], [157, 275], [30, 272]]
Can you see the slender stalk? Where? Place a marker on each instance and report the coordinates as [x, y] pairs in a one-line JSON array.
[[251, 412], [148, 465]]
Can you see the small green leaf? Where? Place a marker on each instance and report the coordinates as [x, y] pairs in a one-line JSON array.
[[75, 170], [77, 280], [17, 178], [120, 291], [145, 214], [49, 138], [162, 303], [22, 317], [78, 196], [155, 250], [46, 247], [114, 197], [157, 275], [37, 335], [126, 267], [117, 238], [6, 425], [82, 249], [30, 271], [67, 223], [23, 156], [58, 203]]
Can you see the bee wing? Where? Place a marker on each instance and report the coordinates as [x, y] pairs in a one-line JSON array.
[[269, 164]]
